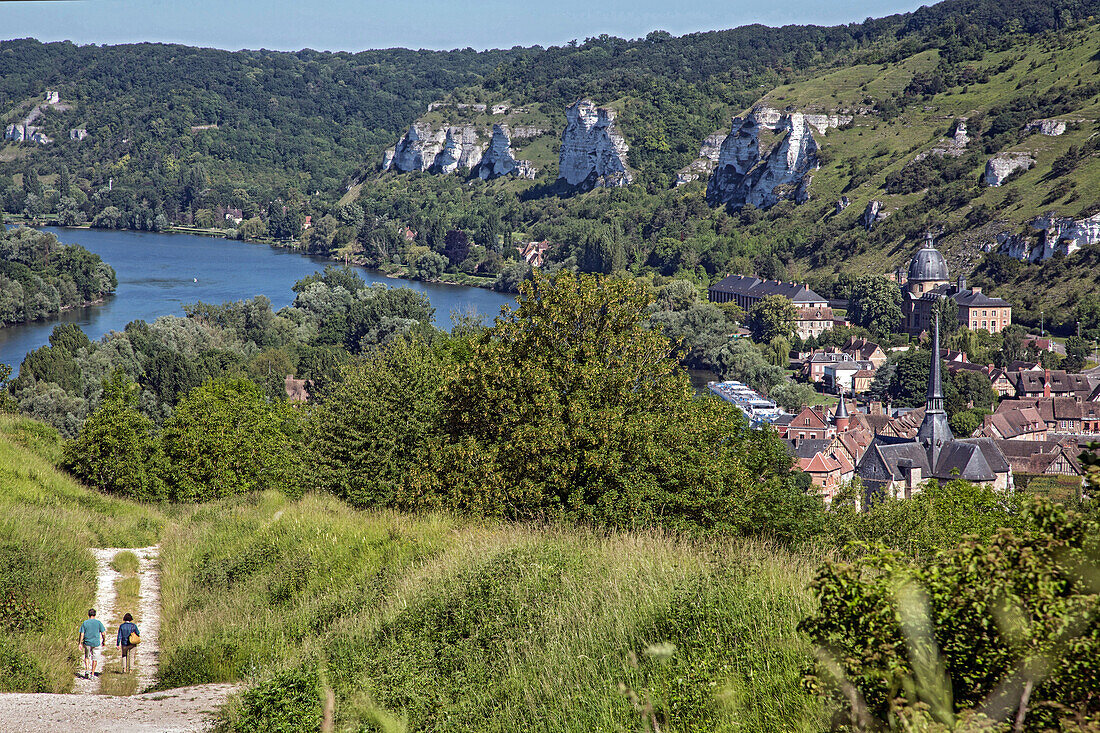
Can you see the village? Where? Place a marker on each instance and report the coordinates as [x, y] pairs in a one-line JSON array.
[[1038, 422]]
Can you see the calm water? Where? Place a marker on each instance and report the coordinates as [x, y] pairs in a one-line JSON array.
[[159, 273]]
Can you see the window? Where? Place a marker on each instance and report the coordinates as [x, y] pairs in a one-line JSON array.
[[983, 324]]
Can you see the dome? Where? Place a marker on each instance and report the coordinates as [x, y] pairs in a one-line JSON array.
[[927, 265]]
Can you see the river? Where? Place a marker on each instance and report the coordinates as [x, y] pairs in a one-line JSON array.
[[159, 273]]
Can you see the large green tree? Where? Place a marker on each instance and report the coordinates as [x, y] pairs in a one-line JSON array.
[[571, 406], [772, 317], [226, 437], [117, 449], [875, 304]]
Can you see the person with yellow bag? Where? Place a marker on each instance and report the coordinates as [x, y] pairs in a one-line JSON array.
[[128, 638]]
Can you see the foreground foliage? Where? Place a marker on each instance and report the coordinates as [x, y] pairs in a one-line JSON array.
[[1008, 627], [432, 623]]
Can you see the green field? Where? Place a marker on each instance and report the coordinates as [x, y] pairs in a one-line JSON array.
[[420, 622]]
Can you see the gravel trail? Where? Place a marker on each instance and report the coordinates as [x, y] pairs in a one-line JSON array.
[[181, 710]]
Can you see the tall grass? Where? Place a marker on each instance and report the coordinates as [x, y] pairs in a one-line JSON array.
[[47, 575], [430, 623]]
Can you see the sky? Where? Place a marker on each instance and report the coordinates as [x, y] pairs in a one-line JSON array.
[[354, 25]]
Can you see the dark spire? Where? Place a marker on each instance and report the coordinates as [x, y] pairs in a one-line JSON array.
[[934, 402], [934, 432], [841, 407]]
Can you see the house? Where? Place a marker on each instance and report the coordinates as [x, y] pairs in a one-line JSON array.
[[809, 424], [1047, 457], [861, 380], [1016, 424], [1064, 415], [533, 253], [928, 280], [814, 363], [1001, 383], [814, 314], [1051, 383], [896, 466], [864, 350], [840, 376], [297, 390]]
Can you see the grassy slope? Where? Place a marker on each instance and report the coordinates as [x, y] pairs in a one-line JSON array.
[[46, 522], [456, 625], [445, 623], [1039, 65]]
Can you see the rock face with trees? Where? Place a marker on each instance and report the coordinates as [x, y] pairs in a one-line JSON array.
[[767, 157]]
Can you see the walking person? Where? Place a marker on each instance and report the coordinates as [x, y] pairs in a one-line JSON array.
[[92, 639], [128, 636]]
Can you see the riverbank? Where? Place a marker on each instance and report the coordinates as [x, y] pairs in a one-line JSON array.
[[393, 271]]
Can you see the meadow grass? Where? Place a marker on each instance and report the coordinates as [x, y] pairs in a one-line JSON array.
[[434, 623], [47, 576], [125, 562]]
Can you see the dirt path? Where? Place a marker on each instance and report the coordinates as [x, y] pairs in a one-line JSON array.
[[148, 651], [183, 710]]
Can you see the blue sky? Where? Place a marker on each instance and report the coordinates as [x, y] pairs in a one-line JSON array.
[[353, 25]]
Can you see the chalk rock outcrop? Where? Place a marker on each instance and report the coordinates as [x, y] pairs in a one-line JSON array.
[[417, 149], [753, 170], [842, 203], [1056, 235], [1053, 128], [462, 148], [498, 159], [952, 146], [593, 153], [873, 214], [702, 166], [998, 168], [78, 133]]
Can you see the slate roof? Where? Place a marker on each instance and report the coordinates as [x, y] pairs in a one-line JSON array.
[[1035, 456], [927, 265], [973, 299], [754, 287], [1061, 382]]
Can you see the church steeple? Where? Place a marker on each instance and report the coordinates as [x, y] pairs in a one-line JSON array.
[[934, 401], [934, 432]]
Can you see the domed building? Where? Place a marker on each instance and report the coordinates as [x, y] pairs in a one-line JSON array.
[[927, 280]]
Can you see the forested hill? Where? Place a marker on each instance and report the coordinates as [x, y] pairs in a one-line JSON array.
[[178, 135], [304, 119]]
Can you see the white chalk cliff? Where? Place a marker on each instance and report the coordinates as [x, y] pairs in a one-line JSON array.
[[1057, 235], [702, 166], [998, 168], [458, 148], [498, 159], [752, 171], [593, 153]]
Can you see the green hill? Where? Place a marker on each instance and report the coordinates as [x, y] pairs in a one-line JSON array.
[[181, 135]]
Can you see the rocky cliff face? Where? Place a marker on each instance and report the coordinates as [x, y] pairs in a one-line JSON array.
[[704, 165], [593, 153], [1053, 128], [456, 148], [498, 159], [417, 149], [462, 148], [1056, 235], [999, 168], [750, 170]]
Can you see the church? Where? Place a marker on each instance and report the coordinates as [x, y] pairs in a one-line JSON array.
[[893, 466], [927, 280]]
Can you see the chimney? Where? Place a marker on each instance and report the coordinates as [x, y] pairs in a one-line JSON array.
[[1046, 383], [976, 290]]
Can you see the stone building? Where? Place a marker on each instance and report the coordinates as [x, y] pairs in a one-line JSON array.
[[927, 280], [814, 314]]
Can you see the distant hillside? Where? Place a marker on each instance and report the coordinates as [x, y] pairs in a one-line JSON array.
[[181, 135]]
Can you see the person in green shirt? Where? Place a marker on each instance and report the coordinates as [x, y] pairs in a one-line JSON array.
[[92, 639]]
